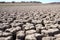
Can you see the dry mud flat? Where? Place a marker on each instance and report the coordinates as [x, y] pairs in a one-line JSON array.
[[30, 22]]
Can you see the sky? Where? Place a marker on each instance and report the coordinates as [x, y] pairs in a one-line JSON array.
[[43, 1]]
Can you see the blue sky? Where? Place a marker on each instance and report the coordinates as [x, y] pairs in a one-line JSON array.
[[44, 1]]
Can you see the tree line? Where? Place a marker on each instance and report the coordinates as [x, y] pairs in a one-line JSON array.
[[23, 2]]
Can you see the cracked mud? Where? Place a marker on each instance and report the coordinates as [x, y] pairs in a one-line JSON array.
[[30, 22]]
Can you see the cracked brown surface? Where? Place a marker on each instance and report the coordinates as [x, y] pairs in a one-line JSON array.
[[30, 22]]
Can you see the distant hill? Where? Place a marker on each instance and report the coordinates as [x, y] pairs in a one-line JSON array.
[[54, 3]]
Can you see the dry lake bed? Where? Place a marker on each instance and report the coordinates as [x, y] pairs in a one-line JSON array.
[[29, 21]]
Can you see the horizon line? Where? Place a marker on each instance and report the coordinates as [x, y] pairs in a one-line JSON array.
[[30, 1]]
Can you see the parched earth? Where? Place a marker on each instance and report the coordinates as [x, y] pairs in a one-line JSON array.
[[30, 22]]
